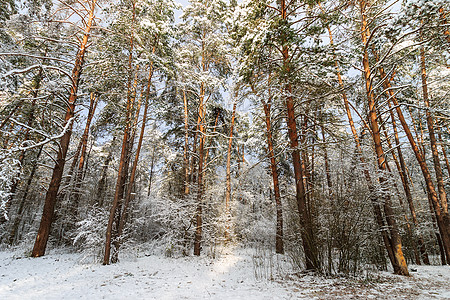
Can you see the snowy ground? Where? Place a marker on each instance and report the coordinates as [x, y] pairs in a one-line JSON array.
[[233, 275]]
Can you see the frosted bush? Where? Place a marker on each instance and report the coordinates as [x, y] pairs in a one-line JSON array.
[[9, 173], [89, 236]]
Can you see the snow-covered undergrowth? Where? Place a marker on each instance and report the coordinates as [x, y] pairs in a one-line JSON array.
[[235, 274]]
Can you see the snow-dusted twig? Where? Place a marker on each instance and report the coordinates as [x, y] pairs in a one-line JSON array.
[[30, 128], [36, 56], [25, 147]]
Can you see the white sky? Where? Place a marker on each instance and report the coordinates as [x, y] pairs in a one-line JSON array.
[[178, 12], [183, 2]]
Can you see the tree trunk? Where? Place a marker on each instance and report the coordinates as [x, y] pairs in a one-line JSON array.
[[14, 232], [125, 188], [399, 265], [443, 227], [114, 215], [279, 244], [186, 146], [52, 191], [84, 139], [120, 185], [406, 189], [198, 217], [432, 135], [307, 235], [375, 203], [402, 166], [437, 233], [136, 159], [228, 175]]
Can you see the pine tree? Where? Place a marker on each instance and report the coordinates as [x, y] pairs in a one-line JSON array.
[[52, 191], [204, 52], [149, 35]]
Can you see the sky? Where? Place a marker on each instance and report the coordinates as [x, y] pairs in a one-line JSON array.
[[178, 12]]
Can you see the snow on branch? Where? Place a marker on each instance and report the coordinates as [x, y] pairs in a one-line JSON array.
[[20, 71], [36, 56], [27, 145], [28, 69]]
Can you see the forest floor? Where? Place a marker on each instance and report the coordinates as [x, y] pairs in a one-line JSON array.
[[240, 274]]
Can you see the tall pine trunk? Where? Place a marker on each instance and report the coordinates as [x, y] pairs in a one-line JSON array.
[[306, 227], [114, 214], [401, 161], [279, 244], [131, 181], [432, 135], [186, 145], [198, 217], [81, 163], [228, 175], [375, 203], [399, 263], [52, 191]]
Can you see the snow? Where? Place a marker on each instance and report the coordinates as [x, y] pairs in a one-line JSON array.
[[235, 274]]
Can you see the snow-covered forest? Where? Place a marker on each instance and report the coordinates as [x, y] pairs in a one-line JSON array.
[[295, 136]]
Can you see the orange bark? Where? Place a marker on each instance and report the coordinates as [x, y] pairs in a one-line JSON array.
[[279, 244], [308, 239], [401, 166], [399, 265], [136, 158], [375, 203], [198, 217], [84, 140], [114, 215], [186, 145], [52, 191], [432, 135], [228, 175]]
